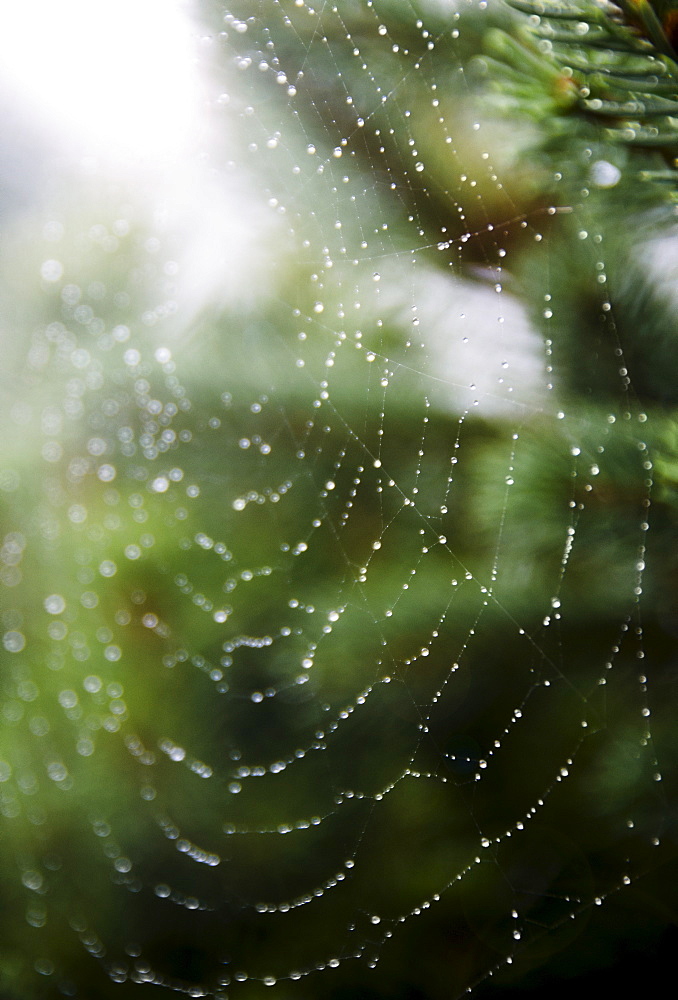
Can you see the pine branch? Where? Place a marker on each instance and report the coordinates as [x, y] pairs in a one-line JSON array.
[[578, 66]]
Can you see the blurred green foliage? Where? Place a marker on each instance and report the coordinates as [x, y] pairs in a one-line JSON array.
[[316, 670]]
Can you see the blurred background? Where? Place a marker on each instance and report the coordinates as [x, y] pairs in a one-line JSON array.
[[338, 484]]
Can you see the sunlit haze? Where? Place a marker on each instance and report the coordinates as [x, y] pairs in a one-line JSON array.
[[113, 80]]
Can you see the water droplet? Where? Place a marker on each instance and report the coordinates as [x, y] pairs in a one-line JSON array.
[[13, 641], [51, 270], [604, 174], [54, 604], [57, 771]]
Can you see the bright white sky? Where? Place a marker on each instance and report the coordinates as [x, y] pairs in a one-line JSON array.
[[120, 83], [114, 79]]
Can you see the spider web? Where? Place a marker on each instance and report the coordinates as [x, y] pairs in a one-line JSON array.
[[324, 557]]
